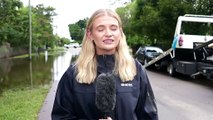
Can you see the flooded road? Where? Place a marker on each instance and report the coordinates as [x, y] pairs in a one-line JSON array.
[[41, 70], [61, 63]]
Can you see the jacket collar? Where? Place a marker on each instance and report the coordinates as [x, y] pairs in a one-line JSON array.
[[105, 63]]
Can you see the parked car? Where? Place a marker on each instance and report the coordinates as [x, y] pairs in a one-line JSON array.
[[147, 53], [73, 45]]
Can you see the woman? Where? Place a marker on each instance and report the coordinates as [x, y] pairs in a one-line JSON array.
[[104, 50]]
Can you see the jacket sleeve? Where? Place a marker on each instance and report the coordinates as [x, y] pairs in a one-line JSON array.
[[63, 104], [146, 106]]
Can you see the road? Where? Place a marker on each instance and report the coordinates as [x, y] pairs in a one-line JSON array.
[[182, 98]]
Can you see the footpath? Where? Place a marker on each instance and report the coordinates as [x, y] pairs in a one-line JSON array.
[[45, 112]]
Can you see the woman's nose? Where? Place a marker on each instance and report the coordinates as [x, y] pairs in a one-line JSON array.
[[108, 33]]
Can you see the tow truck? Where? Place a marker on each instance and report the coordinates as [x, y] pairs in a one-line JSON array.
[[191, 52]]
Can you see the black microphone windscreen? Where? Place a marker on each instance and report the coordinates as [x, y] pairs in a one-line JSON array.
[[105, 92]]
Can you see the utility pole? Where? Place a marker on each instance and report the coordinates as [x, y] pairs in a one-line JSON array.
[[30, 31]]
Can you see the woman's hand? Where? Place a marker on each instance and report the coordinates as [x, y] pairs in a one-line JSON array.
[[108, 118]]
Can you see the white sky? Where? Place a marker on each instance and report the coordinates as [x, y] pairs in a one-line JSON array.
[[70, 11]]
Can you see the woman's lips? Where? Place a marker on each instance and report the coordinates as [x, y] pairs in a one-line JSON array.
[[108, 41]]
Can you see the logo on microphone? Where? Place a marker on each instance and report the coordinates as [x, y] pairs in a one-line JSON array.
[[126, 85]]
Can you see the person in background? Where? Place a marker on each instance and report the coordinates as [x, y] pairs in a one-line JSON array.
[[104, 50]]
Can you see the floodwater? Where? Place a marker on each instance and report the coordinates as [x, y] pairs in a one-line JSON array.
[[22, 73]]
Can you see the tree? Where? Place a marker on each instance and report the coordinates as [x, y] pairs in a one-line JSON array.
[[154, 21], [9, 30], [42, 27], [77, 29], [204, 7], [14, 22]]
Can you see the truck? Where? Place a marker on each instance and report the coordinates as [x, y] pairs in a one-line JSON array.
[[191, 52]]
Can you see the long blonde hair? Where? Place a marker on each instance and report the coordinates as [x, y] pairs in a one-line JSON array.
[[86, 63]]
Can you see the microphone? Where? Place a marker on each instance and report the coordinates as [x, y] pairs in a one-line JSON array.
[[105, 98]]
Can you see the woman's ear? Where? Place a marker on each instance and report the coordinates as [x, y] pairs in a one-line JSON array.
[[89, 34], [121, 30]]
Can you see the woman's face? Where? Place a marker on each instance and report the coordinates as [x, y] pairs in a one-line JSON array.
[[106, 34]]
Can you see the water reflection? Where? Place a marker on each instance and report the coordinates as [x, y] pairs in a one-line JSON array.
[[61, 63], [46, 55], [22, 73]]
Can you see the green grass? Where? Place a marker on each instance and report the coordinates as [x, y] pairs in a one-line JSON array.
[[50, 52], [22, 104]]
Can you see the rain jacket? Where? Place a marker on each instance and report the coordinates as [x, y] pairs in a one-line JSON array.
[[76, 101]]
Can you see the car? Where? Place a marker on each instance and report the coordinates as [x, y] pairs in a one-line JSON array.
[[147, 53], [72, 45]]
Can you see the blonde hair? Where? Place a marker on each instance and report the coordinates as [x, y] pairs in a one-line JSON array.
[[86, 63]]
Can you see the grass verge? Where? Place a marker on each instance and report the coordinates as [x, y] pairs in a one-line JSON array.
[[54, 51], [22, 104]]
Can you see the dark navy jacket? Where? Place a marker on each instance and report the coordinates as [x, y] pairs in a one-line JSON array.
[[134, 99]]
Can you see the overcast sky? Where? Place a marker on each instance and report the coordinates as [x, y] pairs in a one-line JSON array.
[[70, 11]]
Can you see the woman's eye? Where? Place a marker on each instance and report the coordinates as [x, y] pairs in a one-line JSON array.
[[114, 28], [100, 30]]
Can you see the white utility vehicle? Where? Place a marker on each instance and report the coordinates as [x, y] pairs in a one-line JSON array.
[[191, 52]]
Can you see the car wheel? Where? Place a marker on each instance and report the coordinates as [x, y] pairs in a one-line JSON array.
[[171, 69]]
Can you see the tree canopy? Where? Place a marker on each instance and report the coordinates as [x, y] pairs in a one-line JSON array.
[[14, 22], [145, 22], [77, 29], [153, 22]]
